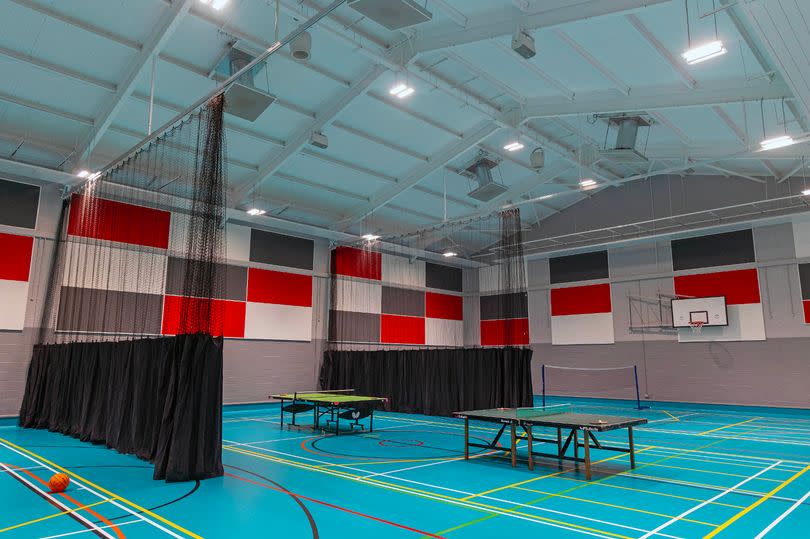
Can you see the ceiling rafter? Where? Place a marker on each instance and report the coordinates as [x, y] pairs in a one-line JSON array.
[[669, 124], [674, 62], [591, 59], [156, 41], [455, 15], [531, 66], [486, 76]]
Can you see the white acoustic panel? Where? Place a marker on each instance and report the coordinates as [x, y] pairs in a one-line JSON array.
[[238, 242], [801, 237], [357, 296], [107, 268], [278, 322], [14, 297], [440, 332], [400, 270], [178, 234], [488, 279], [582, 329], [746, 322]]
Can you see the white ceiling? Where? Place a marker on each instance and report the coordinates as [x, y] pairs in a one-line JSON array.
[[77, 75]]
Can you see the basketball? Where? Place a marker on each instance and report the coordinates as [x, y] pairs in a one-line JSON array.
[[59, 482]]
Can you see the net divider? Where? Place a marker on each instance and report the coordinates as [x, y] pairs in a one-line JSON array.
[[595, 369]]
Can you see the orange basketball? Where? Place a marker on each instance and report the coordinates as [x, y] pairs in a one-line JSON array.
[[59, 482]]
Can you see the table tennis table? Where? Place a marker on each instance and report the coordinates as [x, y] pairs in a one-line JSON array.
[[560, 417], [339, 404]]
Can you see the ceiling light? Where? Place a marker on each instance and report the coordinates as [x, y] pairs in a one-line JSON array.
[[587, 183], [370, 237], [401, 90], [256, 211], [806, 192], [776, 142], [83, 173], [704, 52], [94, 175], [449, 254], [216, 4], [513, 146], [544, 197]]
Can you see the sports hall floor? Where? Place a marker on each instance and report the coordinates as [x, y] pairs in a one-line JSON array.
[[703, 471]]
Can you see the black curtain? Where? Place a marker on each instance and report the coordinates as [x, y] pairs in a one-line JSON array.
[[434, 381], [158, 398]]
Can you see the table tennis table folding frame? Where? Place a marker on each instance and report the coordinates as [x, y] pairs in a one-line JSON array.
[[588, 439], [322, 407]]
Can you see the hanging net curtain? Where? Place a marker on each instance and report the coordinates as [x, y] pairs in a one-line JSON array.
[[129, 352]]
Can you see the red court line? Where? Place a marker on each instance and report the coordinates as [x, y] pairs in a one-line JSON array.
[[327, 504]]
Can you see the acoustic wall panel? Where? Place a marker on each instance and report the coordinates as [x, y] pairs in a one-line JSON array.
[[278, 322], [353, 262], [19, 204], [402, 329], [357, 296], [15, 269], [403, 301], [280, 250], [582, 315], [354, 327], [228, 316], [443, 277], [510, 332], [499, 306], [114, 269], [714, 250], [112, 221], [280, 288], [402, 271], [108, 311], [580, 267], [238, 242], [441, 332], [804, 282], [234, 278], [14, 296], [444, 306]]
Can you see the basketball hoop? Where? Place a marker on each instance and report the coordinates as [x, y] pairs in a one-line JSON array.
[[697, 326]]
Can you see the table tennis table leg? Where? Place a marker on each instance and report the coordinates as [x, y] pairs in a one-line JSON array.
[[632, 447], [559, 442], [466, 439], [576, 445], [514, 446], [528, 429], [587, 457], [371, 421]]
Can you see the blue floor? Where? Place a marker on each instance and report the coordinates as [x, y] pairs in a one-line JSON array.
[[702, 471]]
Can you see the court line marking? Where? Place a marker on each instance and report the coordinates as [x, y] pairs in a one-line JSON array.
[[781, 517], [313, 435], [449, 499], [756, 504], [672, 416], [30, 455], [712, 472], [688, 512], [85, 531]]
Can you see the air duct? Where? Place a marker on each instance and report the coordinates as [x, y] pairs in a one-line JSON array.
[[243, 98], [624, 150], [481, 171]]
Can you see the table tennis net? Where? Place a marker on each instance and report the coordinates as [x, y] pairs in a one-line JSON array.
[[604, 382]]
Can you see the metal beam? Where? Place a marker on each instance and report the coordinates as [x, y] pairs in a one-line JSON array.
[[530, 66], [591, 59], [471, 138], [503, 22], [729, 121], [455, 15], [485, 75], [675, 63], [660, 97], [735, 174], [160, 35], [663, 120], [792, 171], [302, 138]]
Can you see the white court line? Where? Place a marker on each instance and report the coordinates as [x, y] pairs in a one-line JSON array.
[[781, 517], [361, 479], [82, 486], [85, 531], [307, 436], [673, 520], [73, 511]]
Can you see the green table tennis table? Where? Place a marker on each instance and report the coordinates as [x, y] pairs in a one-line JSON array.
[[560, 417], [338, 404]]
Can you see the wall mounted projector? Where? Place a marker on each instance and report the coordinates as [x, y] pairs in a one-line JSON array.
[[393, 14], [523, 44], [319, 140]]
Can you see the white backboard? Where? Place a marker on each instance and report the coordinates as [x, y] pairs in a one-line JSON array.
[[711, 311]]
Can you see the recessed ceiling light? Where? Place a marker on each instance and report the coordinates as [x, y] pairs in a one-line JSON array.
[[776, 142], [370, 237], [401, 90], [704, 52], [587, 183], [216, 4], [83, 173], [256, 211], [449, 254], [513, 146]]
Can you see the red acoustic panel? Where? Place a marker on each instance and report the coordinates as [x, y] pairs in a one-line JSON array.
[[278, 287], [590, 299], [220, 318], [396, 329], [354, 262], [15, 257], [806, 305], [738, 286], [513, 331], [444, 306], [102, 219]]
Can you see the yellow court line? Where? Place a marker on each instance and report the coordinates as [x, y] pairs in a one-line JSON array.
[[54, 515], [670, 415], [102, 489], [713, 472], [729, 426], [754, 505], [613, 505], [493, 510]]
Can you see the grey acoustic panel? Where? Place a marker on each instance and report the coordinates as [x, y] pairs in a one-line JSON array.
[[403, 301], [714, 250], [281, 250], [234, 278], [19, 203], [581, 267], [443, 277], [109, 311], [804, 279], [501, 306], [345, 326]]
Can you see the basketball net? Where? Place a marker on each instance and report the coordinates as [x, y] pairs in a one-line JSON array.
[[697, 327]]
